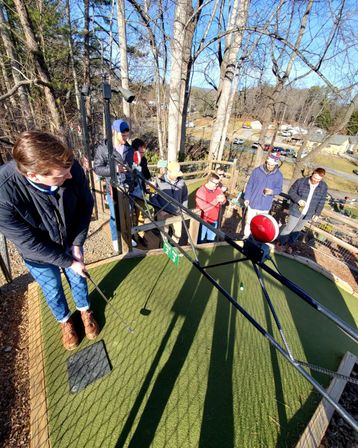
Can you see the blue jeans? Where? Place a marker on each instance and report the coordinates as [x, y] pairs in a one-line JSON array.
[[291, 230], [206, 233], [48, 276], [112, 220]]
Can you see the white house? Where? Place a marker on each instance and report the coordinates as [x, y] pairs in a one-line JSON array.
[[337, 144]]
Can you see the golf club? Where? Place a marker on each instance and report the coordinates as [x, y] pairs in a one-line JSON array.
[[130, 329]]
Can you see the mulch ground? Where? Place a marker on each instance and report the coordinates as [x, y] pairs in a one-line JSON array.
[[14, 355]]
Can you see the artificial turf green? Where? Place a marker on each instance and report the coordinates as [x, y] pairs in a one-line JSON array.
[[195, 373]]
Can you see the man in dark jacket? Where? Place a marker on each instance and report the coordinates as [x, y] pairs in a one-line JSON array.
[[140, 163], [45, 210], [174, 186], [124, 152], [307, 196]]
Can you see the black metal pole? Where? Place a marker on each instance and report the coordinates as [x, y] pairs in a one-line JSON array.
[[286, 353], [85, 142], [107, 95], [285, 281]]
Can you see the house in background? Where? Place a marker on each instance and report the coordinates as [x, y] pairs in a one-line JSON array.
[[256, 125], [353, 144], [337, 144]]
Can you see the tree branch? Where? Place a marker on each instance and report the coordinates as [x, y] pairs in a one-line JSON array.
[[24, 83]]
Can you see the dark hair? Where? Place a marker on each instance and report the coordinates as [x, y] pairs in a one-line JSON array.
[[320, 171], [213, 176], [137, 143], [40, 152]]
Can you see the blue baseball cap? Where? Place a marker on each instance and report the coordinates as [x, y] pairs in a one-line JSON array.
[[120, 126]]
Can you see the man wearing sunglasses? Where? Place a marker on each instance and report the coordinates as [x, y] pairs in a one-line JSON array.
[[209, 199]]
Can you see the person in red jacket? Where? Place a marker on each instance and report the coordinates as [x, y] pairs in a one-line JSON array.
[[209, 198]]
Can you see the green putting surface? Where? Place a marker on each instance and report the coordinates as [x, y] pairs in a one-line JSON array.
[[195, 372]]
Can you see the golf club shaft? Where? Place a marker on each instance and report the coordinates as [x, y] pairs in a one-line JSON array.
[[107, 301]]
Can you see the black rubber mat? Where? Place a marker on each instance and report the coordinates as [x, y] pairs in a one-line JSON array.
[[87, 366]]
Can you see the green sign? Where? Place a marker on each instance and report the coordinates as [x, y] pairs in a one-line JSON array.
[[172, 253]]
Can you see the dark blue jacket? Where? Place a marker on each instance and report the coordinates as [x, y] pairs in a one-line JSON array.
[[176, 190], [260, 179], [300, 190], [44, 226]]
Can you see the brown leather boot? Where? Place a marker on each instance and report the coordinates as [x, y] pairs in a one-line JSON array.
[[69, 336], [91, 326]]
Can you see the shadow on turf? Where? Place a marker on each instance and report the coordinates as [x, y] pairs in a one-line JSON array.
[[108, 285], [323, 343], [218, 409]]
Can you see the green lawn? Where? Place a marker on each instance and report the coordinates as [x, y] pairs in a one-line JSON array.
[[195, 373], [335, 162]]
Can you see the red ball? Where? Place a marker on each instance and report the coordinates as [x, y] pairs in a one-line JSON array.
[[264, 228]]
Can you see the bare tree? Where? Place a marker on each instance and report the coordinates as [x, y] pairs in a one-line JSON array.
[[15, 70], [160, 70], [181, 35], [123, 50], [40, 65], [282, 75], [70, 48], [229, 77], [341, 123]]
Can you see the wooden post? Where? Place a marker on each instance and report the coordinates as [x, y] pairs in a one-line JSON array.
[[234, 176], [100, 195], [194, 228], [125, 224]]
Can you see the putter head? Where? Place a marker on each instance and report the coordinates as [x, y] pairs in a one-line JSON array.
[[145, 312]]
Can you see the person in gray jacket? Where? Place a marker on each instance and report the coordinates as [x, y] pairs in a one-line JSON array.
[[174, 186], [120, 136]]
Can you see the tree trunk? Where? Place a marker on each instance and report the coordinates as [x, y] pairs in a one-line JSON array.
[[72, 61], [176, 85], [159, 71], [15, 68], [41, 68], [281, 80], [111, 40], [228, 83], [122, 35]]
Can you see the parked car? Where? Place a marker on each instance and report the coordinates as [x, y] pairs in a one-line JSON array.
[[278, 149], [246, 125], [189, 124], [304, 154], [286, 133], [268, 147], [288, 152], [255, 145], [238, 141]]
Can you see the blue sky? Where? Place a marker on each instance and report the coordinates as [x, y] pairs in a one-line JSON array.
[[340, 66]]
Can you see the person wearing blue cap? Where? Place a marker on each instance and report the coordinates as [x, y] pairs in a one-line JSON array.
[[120, 136], [264, 183]]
